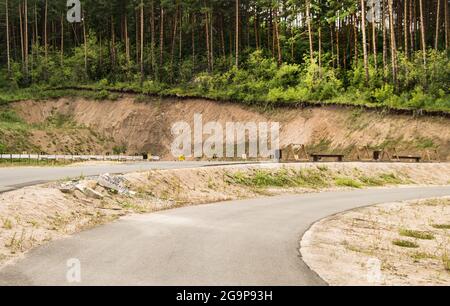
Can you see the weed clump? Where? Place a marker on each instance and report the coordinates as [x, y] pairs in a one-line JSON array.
[[405, 244], [416, 234]]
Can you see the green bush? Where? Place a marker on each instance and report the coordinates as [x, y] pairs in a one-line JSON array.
[[383, 93], [151, 87], [287, 76], [419, 99], [102, 95], [10, 116]]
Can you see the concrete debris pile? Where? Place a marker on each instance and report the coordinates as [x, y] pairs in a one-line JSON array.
[[86, 187], [68, 187], [89, 192], [93, 188], [115, 184]]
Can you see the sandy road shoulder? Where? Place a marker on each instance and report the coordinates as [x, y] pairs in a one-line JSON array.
[[405, 243]]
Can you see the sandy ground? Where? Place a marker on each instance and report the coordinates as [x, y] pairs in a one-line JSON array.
[[146, 126], [35, 215], [357, 247]]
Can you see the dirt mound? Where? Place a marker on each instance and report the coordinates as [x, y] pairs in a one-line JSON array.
[[145, 126]]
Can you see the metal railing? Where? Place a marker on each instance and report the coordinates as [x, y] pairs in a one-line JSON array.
[[39, 157]]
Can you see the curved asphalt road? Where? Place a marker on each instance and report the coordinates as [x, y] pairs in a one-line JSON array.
[[17, 177], [250, 242]]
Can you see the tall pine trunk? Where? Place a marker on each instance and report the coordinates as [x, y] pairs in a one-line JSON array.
[[393, 42], [446, 25], [62, 41], [161, 39], [142, 41], [26, 35], [237, 33], [308, 18], [385, 51], [320, 48], [338, 44], [422, 33], [113, 43], [194, 22], [438, 13], [222, 37], [363, 25], [153, 38], [174, 38], [127, 39], [180, 42], [374, 35], [36, 30], [45, 31], [277, 38], [207, 40], [22, 43], [355, 37], [411, 27], [405, 27], [211, 37], [85, 46], [8, 55]]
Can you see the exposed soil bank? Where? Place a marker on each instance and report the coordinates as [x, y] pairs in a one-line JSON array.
[[145, 126], [391, 244], [35, 215]]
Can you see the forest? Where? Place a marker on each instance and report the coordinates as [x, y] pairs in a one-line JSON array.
[[383, 53]]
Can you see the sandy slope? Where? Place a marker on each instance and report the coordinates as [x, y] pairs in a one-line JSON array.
[[146, 126]]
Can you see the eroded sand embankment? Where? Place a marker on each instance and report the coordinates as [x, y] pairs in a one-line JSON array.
[[76, 125]]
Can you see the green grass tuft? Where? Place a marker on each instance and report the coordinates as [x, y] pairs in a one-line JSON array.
[[7, 224], [405, 244], [416, 234], [446, 262], [281, 178], [347, 182], [441, 226], [391, 178], [421, 255]]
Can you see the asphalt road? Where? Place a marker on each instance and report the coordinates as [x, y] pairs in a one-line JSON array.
[[250, 242], [17, 177]]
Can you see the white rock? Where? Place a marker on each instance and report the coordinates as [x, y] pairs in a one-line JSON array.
[[93, 194]]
